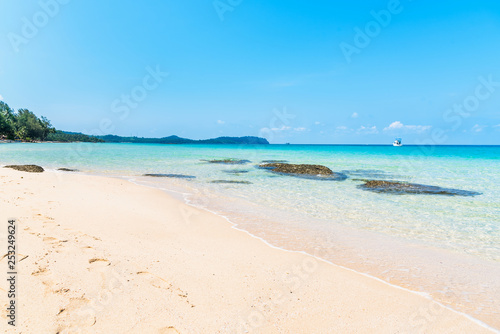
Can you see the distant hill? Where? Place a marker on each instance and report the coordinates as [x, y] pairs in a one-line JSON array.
[[248, 140], [68, 137]]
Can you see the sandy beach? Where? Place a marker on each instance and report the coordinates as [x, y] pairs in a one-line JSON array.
[[103, 255]]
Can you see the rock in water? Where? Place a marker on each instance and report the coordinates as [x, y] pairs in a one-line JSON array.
[[228, 161], [64, 169], [235, 171], [399, 188], [316, 172], [231, 182], [285, 168], [178, 176], [26, 168]]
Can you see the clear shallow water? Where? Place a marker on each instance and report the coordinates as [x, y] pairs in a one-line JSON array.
[[427, 243], [465, 224]]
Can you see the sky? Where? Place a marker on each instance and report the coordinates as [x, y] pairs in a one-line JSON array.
[[297, 71]]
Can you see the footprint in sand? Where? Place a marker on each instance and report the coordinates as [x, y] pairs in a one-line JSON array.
[[156, 281], [99, 262], [91, 236], [62, 291], [50, 240], [161, 283], [87, 249], [76, 314], [54, 241], [48, 286], [39, 271]]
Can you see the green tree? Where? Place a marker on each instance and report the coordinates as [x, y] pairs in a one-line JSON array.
[[28, 127], [47, 127], [7, 120]]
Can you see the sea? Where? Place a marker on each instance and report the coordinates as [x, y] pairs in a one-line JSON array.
[[446, 248]]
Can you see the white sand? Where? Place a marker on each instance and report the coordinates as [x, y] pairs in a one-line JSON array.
[[107, 256]]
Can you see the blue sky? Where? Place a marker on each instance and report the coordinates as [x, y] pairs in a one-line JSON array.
[[357, 72]]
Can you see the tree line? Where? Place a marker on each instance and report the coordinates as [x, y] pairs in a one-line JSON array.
[[24, 125]]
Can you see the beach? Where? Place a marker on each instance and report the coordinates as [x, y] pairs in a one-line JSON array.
[[236, 166], [103, 255]]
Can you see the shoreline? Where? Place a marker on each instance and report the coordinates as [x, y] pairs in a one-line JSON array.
[[387, 264], [417, 293], [319, 279]]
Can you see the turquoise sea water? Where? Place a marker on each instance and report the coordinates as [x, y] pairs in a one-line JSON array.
[[468, 224], [397, 238]]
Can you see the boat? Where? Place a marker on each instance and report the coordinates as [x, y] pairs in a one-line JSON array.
[[397, 142]]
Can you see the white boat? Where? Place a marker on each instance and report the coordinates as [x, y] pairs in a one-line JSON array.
[[397, 142]]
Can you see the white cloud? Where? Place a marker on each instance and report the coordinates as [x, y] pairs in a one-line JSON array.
[[394, 125], [496, 126], [1, 98], [478, 128], [220, 122], [342, 129], [355, 115], [369, 130], [282, 128], [317, 123], [397, 125]]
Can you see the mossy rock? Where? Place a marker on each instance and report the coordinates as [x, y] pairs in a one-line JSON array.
[[315, 172], [401, 188], [26, 168]]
